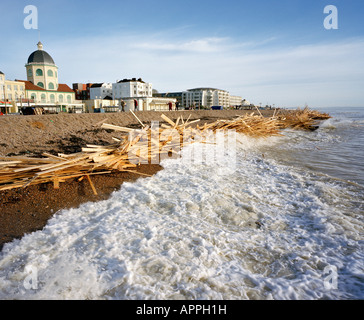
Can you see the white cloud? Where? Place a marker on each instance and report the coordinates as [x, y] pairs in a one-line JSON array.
[[204, 45], [315, 74]]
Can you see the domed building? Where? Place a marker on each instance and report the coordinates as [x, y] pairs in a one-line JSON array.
[[41, 69], [42, 87]]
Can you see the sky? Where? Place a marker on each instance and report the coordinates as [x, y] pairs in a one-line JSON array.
[[275, 52]]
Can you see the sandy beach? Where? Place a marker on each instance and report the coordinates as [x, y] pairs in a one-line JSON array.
[[28, 209]]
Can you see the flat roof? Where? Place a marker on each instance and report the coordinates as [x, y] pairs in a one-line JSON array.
[[205, 88]]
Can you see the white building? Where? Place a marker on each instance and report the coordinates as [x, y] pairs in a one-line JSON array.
[[101, 91], [131, 88], [205, 97], [138, 96], [236, 101], [2, 85]]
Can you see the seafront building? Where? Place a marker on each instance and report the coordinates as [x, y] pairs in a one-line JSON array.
[[201, 98], [41, 69], [42, 88], [208, 97], [12, 93], [236, 101], [82, 91], [101, 91], [138, 95], [2, 83], [132, 88], [173, 95]]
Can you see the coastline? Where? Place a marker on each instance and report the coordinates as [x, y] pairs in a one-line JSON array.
[[27, 210]]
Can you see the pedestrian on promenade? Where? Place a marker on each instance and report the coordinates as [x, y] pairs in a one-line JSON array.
[[122, 104], [135, 105]]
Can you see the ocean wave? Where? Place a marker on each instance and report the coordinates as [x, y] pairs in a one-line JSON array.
[[249, 227]]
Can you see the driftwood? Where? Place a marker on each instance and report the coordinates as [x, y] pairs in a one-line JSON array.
[[141, 146]]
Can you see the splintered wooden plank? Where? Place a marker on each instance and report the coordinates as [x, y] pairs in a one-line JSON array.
[[116, 128], [58, 168], [6, 163], [92, 185], [177, 122], [137, 118], [165, 118], [194, 121], [46, 154], [29, 160], [56, 183], [186, 122], [109, 147]]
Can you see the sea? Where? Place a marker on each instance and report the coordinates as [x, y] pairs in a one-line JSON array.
[[281, 218]]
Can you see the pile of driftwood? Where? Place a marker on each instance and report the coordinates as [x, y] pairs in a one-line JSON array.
[[305, 119], [138, 146]]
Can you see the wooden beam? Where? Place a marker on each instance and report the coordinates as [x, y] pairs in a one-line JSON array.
[[92, 185]]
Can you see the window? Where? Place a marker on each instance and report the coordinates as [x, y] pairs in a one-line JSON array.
[[33, 96], [51, 86], [50, 73], [15, 87], [39, 72], [52, 98], [9, 87], [43, 97], [60, 98], [69, 99], [30, 72], [40, 84]]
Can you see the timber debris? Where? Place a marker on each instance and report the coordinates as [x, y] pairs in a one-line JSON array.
[[143, 145]]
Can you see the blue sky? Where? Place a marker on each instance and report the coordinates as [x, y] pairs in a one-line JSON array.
[[267, 51]]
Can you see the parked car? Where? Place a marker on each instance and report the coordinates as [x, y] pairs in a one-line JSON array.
[[217, 107]]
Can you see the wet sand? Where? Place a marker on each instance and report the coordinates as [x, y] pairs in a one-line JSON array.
[[27, 210]]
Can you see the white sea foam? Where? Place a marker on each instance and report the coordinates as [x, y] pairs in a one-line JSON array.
[[261, 230]]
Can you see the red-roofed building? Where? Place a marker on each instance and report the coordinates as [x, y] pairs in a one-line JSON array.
[[42, 87]]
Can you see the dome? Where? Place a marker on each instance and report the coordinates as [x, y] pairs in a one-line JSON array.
[[40, 56]]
